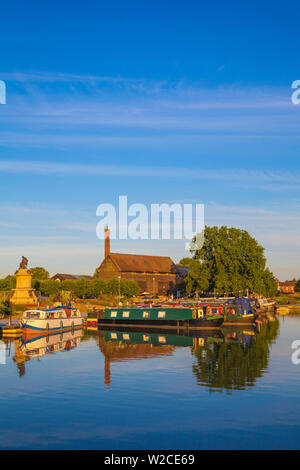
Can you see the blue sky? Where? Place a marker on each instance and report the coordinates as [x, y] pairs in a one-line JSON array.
[[162, 102]]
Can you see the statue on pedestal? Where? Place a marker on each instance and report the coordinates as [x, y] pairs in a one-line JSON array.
[[24, 262], [23, 294]]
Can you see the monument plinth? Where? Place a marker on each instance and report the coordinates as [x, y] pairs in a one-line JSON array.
[[23, 294]]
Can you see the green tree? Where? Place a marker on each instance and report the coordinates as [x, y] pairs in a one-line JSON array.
[[129, 288], [49, 286], [39, 273], [8, 283], [197, 278], [297, 286], [186, 261], [229, 260], [5, 307]]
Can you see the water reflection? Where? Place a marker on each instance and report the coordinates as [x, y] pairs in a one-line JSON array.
[[236, 362], [226, 359], [26, 349]]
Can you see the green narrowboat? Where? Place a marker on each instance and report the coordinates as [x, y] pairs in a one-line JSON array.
[[162, 317], [155, 339]]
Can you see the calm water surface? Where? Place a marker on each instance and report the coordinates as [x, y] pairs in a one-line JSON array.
[[112, 390]]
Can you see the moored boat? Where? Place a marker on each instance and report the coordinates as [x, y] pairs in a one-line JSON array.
[[37, 346], [265, 304], [36, 322], [240, 310], [162, 317]]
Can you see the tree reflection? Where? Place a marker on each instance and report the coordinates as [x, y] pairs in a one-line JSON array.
[[237, 362]]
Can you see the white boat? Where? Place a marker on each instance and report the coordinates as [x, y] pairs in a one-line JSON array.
[[41, 345], [47, 321], [266, 304]]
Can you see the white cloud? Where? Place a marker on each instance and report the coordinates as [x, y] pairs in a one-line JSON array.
[[45, 168]]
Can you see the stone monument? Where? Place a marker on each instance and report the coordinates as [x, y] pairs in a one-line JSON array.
[[23, 294]]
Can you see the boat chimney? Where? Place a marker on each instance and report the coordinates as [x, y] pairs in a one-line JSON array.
[[106, 241]]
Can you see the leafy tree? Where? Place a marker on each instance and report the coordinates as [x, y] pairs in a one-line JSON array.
[[5, 307], [67, 284], [91, 288], [39, 273], [270, 286], [98, 287], [83, 288], [297, 286], [197, 278], [186, 261], [228, 260], [8, 283], [49, 286], [129, 288]]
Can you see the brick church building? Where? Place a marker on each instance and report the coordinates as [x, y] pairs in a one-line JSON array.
[[154, 274]]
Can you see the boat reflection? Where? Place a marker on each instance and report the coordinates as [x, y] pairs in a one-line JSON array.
[[226, 359], [33, 348], [237, 362]]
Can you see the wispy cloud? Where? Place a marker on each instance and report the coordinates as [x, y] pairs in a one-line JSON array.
[[46, 108], [73, 169]]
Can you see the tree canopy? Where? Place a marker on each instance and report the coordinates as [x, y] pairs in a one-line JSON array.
[[39, 273], [297, 286], [229, 260], [92, 288]]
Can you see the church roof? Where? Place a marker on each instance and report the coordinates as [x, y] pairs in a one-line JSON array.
[[143, 263]]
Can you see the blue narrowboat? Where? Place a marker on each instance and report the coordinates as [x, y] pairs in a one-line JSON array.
[[240, 311]]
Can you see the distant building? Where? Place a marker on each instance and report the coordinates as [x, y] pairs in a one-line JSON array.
[[69, 277], [153, 274], [286, 287]]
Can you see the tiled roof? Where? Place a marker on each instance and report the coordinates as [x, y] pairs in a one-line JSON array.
[[287, 283], [143, 263], [71, 277]]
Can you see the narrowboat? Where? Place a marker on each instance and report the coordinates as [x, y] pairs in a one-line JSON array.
[[36, 322], [159, 339], [240, 310], [161, 317]]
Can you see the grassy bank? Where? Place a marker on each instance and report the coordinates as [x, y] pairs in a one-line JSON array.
[[287, 299]]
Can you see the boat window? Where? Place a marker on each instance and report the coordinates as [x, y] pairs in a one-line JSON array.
[[32, 314], [113, 314], [125, 314], [162, 339], [126, 336], [146, 338], [146, 314], [161, 314]]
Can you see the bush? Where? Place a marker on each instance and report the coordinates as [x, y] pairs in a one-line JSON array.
[[5, 307], [8, 283], [48, 287]]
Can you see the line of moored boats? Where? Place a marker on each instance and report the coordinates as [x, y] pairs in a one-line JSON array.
[[166, 315]]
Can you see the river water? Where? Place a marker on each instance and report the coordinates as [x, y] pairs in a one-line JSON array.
[[229, 389]]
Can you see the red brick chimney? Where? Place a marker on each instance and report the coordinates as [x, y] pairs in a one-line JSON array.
[[106, 241]]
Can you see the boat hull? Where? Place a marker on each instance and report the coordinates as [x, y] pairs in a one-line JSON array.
[[240, 320], [200, 323], [36, 327]]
